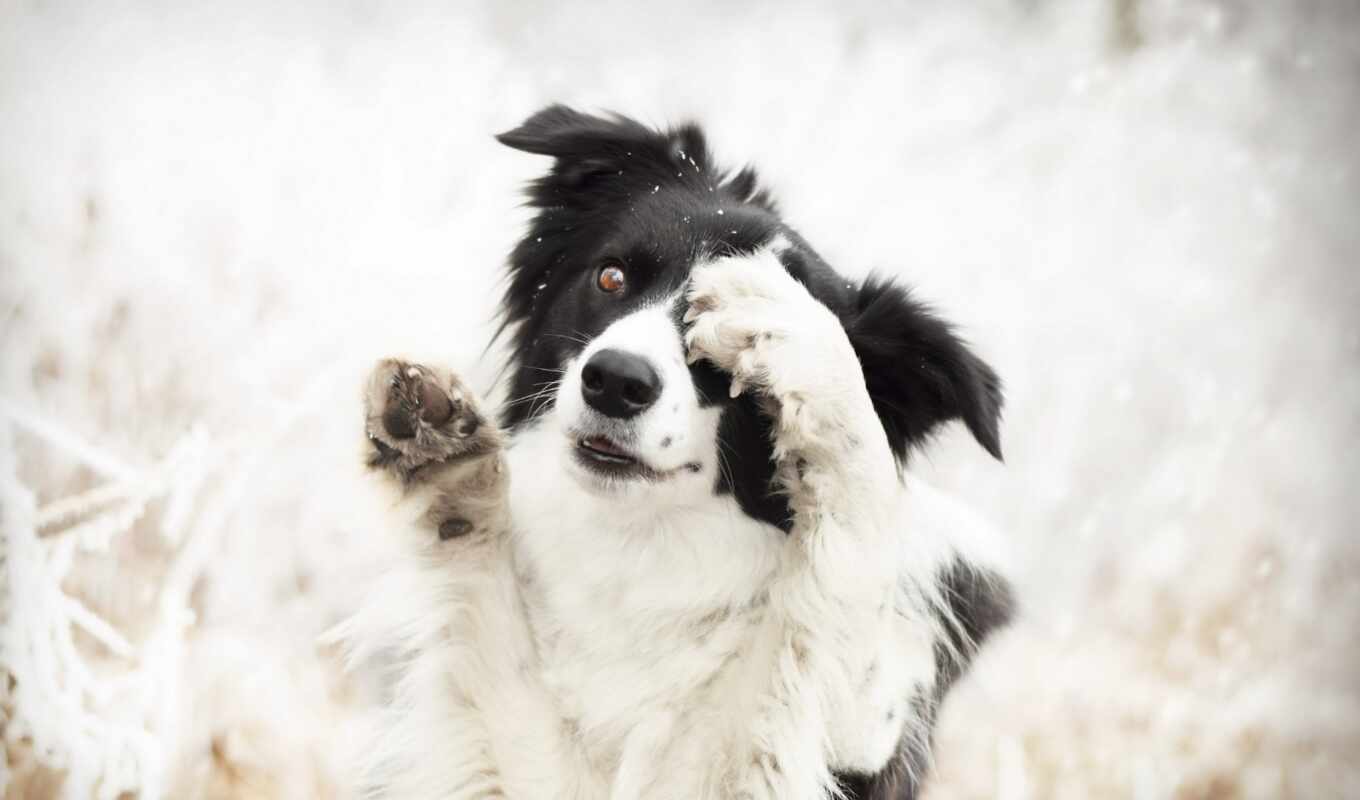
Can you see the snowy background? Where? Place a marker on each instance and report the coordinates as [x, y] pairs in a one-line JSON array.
[[1144, 213]]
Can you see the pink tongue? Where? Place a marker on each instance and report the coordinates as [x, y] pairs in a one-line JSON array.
[[605, 446]]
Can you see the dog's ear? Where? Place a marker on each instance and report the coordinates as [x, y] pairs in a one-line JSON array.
[[559, 131], [920, 374], [591, 149]]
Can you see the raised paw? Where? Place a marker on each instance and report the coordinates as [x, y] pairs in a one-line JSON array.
[[418, 417], [750, 318]]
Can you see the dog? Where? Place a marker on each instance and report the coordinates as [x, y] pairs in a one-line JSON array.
[[683, 561]]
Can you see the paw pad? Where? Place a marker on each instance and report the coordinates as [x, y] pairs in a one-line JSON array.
[[414, 396], [453, 528]]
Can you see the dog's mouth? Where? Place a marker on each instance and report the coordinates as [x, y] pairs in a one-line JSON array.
[[604, 449], [608, 458]]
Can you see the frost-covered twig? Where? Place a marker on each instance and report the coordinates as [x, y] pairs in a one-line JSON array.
[[59, 514], [93, 457], [66, 714], [94, 625]]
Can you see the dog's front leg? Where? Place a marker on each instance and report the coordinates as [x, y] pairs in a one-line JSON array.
[[436, 471], [469, 718], [831, 603]]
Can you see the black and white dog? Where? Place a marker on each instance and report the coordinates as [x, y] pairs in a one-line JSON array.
[[686, 563]]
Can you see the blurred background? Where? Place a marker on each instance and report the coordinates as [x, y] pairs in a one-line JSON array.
[[1144, 213]]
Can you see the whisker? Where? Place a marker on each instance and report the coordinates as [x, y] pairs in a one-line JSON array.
[[530, 398], [723, 466], [575, 336], [544, 388]]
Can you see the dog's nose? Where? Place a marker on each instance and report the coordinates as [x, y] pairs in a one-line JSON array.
[[619, 384]]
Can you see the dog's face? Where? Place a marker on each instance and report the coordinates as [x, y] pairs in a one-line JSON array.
[[595, 302]]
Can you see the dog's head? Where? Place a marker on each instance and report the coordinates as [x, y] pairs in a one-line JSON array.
[[595, 304]]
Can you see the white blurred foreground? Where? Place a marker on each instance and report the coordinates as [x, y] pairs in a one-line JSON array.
[[211, 220]]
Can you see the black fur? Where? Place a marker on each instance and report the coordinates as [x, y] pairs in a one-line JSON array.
[[918, 372], [979, 602]]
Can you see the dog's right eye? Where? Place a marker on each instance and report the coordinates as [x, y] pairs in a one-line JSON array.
[[611, 279]]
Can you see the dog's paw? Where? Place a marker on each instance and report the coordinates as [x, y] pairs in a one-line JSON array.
[[752, 319], [418, 417]]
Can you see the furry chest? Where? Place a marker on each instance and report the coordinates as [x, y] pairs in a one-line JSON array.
[[628, 627], [612, 657]]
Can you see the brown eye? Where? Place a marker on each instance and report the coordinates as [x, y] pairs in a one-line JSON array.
[[611, 279]]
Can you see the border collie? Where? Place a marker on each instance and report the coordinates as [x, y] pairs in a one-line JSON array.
[[686, 562]]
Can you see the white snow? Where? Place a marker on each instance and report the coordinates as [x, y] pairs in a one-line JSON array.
[[213, 216]]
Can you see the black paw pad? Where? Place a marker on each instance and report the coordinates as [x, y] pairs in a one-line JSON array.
[[453, 528], [414, 397], [433, 405], [397, 422]]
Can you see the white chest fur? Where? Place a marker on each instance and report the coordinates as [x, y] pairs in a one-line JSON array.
[[633, 607]]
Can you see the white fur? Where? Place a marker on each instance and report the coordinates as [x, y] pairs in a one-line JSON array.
[[649, 639]]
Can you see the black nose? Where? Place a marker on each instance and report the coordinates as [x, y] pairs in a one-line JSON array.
[[619, 384]]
